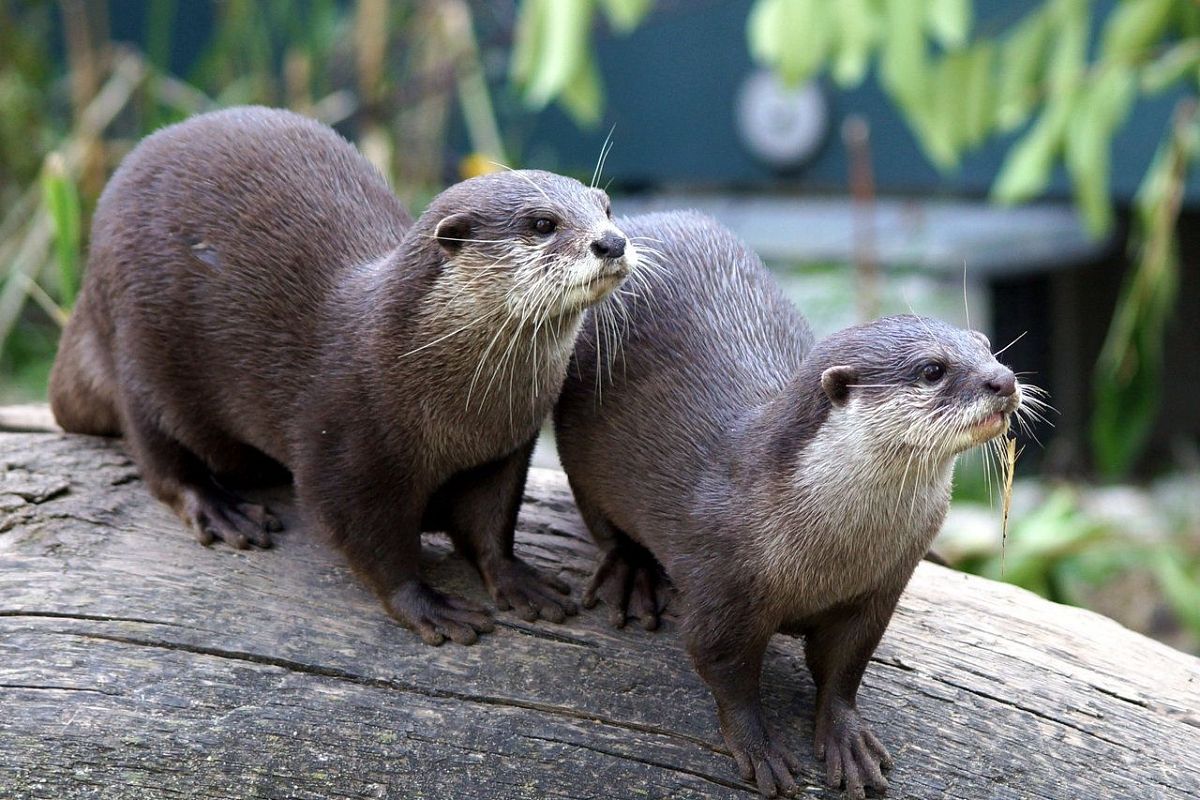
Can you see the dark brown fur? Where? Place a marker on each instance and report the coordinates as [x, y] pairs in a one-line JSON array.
[[783, 485], [256, 297]]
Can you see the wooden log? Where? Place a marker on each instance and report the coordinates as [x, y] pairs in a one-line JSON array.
[[135, 663]]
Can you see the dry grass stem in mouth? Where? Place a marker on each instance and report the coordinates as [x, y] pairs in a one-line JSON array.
[[1010, 466]]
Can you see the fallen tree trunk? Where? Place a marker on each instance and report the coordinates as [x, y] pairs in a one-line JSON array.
[[135, 663]]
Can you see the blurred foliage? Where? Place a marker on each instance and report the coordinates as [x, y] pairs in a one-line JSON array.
[[73, 101], [1072, 549], [552, 58], [1041, 75]]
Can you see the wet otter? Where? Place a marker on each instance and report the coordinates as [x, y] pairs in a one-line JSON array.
[[784, 485], [256, 296]]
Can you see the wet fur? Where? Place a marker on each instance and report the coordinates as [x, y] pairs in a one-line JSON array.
[[784, 485]]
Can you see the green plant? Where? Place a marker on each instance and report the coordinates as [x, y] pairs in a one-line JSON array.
[[390, 67], [1067, 553], [957, 87], [61, 200]]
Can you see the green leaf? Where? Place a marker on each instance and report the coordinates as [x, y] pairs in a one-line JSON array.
[[790, 36], [1023, 60], [1181, 589], [1188, 19], [529, 29], [1101, 108], [624, 15], [1127, 381], [583, 96], [1027, 167], [1068, 54], [62, 203], [903, 65], [979, 96], [944, 129], [561, 30], [949, 21], [1133, 28], [1172, 66], [856, 32]]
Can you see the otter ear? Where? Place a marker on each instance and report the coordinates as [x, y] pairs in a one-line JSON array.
[[452, 230], [836, 383], [983, 339]]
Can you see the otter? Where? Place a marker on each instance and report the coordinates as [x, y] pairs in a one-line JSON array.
[[784, 485], [257, 302]]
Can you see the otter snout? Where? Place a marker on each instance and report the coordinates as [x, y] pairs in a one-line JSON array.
[[609, 245], [1002, 383]]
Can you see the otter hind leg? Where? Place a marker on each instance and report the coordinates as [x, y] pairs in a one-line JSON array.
[[480, 509], [628, 578], [183, 481], [82, 385]]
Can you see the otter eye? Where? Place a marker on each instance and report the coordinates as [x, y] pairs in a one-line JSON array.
[[933, 372], [544, 225], [608, 210]]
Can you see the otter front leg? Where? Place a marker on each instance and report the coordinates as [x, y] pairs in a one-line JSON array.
[[479, 507], [373, 515], [838, 647], [730, 661]]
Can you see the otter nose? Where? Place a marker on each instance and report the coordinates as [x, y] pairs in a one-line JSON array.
[[610, 245], [1003, 383]]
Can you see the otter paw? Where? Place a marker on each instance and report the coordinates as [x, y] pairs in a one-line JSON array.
[[770, 767], [515, 585], [436, 616], [852, 753], [220, 515], [626, 583]]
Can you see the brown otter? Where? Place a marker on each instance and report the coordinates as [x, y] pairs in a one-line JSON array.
[[256, 296], [785, 486]]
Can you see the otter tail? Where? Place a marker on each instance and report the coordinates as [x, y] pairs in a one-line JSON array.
[[82, 381]]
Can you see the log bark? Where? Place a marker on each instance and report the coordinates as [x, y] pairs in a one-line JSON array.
[[135, 663]]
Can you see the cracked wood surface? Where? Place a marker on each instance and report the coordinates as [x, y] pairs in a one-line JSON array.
[[135, 663]]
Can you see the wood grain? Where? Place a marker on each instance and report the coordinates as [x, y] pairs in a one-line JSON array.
[[135, 663]]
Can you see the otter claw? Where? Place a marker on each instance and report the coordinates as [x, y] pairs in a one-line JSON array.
[[627, 581], [853, 754], [517, 586], [772, 769], [214, 515], [436, 617]]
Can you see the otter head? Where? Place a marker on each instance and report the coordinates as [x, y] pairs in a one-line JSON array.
[[542, 244], [913, 384]]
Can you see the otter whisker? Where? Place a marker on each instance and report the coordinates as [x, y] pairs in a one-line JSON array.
[[1033, 396], [439, 339], [1033, 393], [648, 269], [1010, 344], [966, 305], [508, 363], [1033, 412], [500, 329], [456, 239], [904, 476], [614, 347], [540, 190], [604, 149], [599, 373]]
